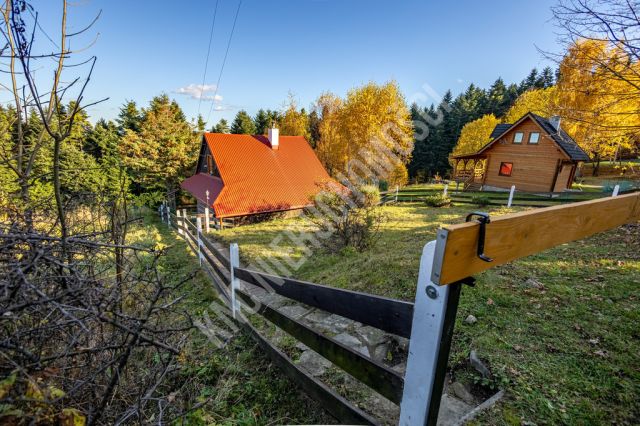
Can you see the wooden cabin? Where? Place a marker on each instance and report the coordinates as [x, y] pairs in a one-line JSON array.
[[242, 175], [534, 154]]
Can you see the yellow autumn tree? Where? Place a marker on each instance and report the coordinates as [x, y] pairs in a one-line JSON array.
[[330, 149], [368, 135], [599, 97], [294, 122], [475, 134], [538, 101]]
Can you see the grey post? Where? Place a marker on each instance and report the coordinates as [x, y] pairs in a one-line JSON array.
[[168, 209], [234, 260], [206, 220], [179, 222], [199, 232], [433, 318], [513, 190], [616, 189]]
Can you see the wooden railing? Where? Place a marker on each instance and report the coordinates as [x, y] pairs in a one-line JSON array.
[[390, 315]]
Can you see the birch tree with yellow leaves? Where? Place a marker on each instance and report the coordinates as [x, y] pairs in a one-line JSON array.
[[368, 135]]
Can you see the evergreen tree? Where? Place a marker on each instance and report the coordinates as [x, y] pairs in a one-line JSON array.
[[200, 124], [129, 118], [163, 153], [262, 122], [243, 124], [221, 127], [314, 128]]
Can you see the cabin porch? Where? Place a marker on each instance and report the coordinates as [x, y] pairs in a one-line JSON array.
[[469, 170]]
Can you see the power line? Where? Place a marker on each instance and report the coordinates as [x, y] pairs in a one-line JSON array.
[[206, 63], [224, 61]]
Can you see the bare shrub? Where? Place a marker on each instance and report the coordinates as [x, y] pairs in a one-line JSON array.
[[347, 219]]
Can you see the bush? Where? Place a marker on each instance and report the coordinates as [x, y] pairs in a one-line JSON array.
[[383, 185], [370, 196], [437, 200], [347, 219], [481, 200]]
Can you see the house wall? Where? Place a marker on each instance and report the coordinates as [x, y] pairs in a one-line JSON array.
[[534, 165], [562, 182]]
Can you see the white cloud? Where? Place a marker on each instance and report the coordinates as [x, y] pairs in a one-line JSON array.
[[199, 91]]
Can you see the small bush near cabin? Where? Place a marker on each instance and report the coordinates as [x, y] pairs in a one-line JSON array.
[[347, 219], [437, 200], [481, 200], [370, 196]]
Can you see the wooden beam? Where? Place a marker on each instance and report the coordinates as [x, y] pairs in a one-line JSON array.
[[517, 235]]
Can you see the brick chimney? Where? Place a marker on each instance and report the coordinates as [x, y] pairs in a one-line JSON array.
[[274, 137]]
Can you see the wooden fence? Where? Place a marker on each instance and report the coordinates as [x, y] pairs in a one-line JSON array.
[[446, 264], [390, 315], [494, 198]]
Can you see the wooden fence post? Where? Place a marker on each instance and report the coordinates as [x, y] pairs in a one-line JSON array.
[[179, 222], [199, 232], [513, 190], [168, 209], [234, 260], [616, 189], [396, 193], [446, 189], [206, 220], [434, 316]]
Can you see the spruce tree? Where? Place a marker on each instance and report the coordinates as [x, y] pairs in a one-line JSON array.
[[243, 124]]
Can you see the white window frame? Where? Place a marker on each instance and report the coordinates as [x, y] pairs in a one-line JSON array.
[[515, 137], [537, 139]]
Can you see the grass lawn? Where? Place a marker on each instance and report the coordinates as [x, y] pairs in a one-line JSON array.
[[568, 352]]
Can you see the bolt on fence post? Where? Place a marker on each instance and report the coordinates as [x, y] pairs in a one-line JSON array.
[[206, 220], [513, 190], [616, 189], [199, 232], [234, 260]]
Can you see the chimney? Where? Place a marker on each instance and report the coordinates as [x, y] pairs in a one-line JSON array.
[[555, 122], [274, 137]]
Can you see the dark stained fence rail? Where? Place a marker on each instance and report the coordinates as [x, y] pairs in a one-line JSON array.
[[335, 404], [375, 375], [390, 315]]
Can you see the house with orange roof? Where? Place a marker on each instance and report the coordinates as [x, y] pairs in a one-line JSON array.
[[242, 175]]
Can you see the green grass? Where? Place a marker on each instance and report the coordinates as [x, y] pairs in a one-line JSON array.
[[565, 354], [236, 384]]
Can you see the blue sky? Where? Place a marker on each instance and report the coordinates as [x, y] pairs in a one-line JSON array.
[[307, 46]]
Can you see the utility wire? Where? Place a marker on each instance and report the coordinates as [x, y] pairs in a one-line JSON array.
[[206, 63], [224, 60]]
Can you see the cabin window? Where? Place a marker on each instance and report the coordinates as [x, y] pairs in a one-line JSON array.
[[517, 137], [534, 137], [506, 169]]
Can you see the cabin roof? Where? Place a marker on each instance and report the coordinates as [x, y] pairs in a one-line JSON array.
[[257, 178], [561, 138], [566, 142]]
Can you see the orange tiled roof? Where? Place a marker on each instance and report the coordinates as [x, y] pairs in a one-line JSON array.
[[257, 178]]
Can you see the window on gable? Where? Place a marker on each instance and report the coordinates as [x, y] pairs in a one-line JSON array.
[[534, 137], [517, 137], [506, 169]]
